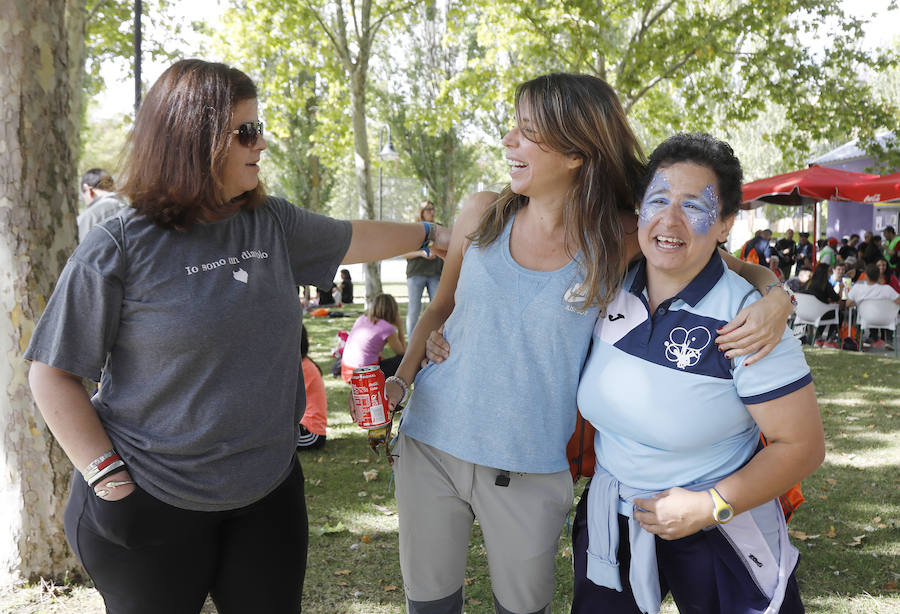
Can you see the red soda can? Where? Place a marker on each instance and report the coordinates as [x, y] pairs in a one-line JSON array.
[[368, 397]]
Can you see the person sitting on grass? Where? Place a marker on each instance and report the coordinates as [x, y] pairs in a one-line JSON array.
[[379, 326], [315, 418]]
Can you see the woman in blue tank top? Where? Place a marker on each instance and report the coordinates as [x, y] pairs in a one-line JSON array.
[[485, 432]]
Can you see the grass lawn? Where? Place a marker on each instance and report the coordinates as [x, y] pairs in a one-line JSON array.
[[848, 531]]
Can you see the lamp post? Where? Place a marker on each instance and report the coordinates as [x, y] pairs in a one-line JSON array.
[[386, 153]]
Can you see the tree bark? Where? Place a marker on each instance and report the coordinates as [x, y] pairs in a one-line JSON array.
[[42, 45], [363, 164]]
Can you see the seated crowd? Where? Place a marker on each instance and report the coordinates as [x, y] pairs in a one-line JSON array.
[[842, 272]]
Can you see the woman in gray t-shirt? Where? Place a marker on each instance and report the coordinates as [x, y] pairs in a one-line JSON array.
[[185, 309]]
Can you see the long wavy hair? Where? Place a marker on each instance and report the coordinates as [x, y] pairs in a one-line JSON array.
[[175, 156], [581, 115]]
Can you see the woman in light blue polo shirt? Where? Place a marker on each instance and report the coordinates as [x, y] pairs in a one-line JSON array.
[[683, 499]]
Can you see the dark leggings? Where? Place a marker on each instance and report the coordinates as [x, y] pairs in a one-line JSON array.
[[146, 556]]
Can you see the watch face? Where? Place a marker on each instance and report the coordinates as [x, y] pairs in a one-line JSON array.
[[724, 514]]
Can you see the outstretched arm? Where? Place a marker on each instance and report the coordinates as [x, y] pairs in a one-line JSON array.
[[372, 241]]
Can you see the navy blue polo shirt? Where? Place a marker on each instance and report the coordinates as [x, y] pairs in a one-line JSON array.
[[669, 408]]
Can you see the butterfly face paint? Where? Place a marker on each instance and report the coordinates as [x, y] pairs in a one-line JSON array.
[[701, 211]]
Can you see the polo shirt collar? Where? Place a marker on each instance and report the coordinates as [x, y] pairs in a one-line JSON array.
[[695, 290]]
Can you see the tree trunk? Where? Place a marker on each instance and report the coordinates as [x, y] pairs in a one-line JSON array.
[[42, 45], [363, 165]]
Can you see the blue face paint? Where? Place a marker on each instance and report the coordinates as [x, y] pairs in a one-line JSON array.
[[702, 211], [655, 198]]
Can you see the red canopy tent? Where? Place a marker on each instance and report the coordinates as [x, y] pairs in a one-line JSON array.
[[882, 189], [807, 186]]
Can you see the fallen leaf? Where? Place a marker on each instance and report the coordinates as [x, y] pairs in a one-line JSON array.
[[798, 535], [362, 493], [321, 459], [831, 481], [889, 586], [830, 532], [384, 509], [474, 602], [342, 583], [877, 519], [366, 539], [371, 474], [857, 541], [342, 572], [468, 581], [390, 587]]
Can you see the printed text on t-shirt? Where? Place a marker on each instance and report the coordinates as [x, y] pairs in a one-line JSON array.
[[247, 254]]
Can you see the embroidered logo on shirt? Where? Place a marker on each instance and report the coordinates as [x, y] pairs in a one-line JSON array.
[[240, 275], [685, 346], [574, 299]]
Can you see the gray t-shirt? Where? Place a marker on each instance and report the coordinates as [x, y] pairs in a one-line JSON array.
[[101, 208], [197, 336]]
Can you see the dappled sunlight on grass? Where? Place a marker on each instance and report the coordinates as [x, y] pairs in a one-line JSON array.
[[862, 401], [862, 603]]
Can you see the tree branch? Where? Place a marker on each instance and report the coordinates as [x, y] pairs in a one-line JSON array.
[[652, 83]]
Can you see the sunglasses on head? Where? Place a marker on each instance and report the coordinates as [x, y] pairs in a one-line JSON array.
[[248, 132]]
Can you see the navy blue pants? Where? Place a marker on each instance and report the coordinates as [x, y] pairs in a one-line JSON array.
[[701, 570], [147, 557]]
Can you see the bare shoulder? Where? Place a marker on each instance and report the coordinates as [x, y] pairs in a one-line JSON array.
[[472, 210]]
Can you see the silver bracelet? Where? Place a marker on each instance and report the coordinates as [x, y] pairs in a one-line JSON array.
[[108, 470], [403, 386]]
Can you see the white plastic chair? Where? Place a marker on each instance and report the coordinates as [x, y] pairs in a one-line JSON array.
[[879, 313], [811, 312]]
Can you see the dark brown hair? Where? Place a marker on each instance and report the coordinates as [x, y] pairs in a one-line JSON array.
[[176, 153], [581, 115]]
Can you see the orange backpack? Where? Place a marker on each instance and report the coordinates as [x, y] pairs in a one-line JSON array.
[[749, 253], [580, 449], [791, 499]]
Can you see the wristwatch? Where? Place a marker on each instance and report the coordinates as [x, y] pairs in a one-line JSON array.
[[722, 511]]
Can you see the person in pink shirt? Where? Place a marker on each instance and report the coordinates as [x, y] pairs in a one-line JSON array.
[[380, 326], [315, 418]]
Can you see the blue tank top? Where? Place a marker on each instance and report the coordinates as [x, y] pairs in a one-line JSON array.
[[505, 397]]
